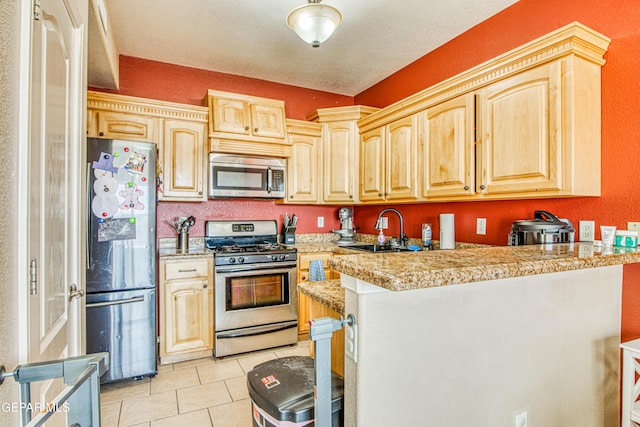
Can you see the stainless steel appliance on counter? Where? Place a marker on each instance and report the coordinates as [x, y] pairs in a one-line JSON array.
[[246, 176], [256, 302], [544, 228], [121, 256]]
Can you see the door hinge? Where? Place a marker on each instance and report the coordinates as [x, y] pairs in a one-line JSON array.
[[36, 10], [33, 277]]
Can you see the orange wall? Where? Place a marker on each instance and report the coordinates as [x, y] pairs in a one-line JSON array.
[[167, 82], [522, 22]]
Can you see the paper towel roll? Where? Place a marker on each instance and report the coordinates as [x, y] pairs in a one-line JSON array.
[[447, 231]]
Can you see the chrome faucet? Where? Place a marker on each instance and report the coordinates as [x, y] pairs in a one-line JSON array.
[[403, 237]]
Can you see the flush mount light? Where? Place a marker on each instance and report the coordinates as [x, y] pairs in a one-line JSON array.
[[314, 22]]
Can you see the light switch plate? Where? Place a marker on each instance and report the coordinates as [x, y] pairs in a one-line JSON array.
[[320, 221]]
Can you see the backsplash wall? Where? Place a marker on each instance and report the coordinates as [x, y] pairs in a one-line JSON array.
[[245, 209]]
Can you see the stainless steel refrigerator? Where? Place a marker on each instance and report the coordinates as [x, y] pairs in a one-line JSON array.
[[121, 256]]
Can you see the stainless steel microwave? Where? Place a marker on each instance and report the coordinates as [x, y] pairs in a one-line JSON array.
[[246, 176]]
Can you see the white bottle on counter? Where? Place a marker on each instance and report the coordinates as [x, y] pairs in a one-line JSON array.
[[381, 238]]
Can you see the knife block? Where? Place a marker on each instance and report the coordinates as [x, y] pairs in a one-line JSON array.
[[289, 236]]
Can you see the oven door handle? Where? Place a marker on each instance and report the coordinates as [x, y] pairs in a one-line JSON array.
[[260, 330], [255, 268]]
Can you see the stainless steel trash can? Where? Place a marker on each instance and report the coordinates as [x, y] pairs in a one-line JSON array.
[[281, 392]]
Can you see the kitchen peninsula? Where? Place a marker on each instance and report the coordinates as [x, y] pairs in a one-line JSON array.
[[479, 336]]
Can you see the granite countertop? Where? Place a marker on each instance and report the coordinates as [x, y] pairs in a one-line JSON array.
[[173, 252], [327, 292], [405, 271]]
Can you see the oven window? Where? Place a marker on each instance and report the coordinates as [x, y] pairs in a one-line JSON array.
[[257, 291]]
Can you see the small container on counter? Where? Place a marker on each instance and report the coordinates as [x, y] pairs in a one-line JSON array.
[[426, 237], [626, 238], [608, 234]]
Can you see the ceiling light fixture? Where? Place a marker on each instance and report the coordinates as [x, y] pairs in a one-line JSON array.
[[314, 22]]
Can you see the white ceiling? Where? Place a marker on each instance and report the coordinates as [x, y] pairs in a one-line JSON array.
[[250, 37]]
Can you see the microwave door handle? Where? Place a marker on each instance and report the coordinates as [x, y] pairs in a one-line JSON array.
[[269, 180]]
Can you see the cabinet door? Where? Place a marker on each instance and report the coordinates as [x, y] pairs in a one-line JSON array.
[[302, 169], [267, 120], [372, 172], [231, 115], [340, 162], [187, 315], [521, 121], [448, 152], [304, 312], [182, 156], [401, 155], [111, 125]]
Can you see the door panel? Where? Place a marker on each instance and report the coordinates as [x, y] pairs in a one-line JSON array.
[[55, 151]]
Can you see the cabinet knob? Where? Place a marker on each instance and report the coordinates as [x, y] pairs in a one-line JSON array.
[[351, 196], [101, 134], [199, 193], [379, 194], [291, 196], [466, 187], [205, 285], [255, 129], [482, 187], [246, 128]]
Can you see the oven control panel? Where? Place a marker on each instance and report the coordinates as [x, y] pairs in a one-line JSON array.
[[261, 258]]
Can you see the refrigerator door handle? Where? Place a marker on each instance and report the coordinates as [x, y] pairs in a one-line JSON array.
[[88, 230], [117, 302]]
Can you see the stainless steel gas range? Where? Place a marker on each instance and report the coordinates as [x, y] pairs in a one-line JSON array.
[[256, 302]]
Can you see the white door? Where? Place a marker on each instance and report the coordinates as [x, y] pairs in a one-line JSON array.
[[54, 187]]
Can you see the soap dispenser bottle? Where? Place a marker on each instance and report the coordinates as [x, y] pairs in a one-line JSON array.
[[381, 238]]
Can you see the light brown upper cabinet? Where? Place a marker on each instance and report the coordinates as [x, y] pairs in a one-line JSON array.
[[303, 182], [389, 162], [183, 159], [523, 125], [179, 130], [243, 124], [117, 125], [338, 172], [447, 154]]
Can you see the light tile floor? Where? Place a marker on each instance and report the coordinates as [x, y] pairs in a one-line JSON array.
[[196, 393]]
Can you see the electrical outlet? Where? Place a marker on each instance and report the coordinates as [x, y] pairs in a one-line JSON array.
[[634, 226], [481, 225], [587, 231], [385, 222], [521, 420], [320, 221]]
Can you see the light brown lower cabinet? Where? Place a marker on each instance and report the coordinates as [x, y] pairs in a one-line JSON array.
[[317, 310], [186, 308]]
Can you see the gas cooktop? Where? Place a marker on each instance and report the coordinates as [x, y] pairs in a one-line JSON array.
[[246, 242]]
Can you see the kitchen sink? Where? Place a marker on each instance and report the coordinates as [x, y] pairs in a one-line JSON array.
[[378, 248]]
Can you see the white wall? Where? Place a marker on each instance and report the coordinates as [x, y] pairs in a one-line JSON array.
[[10, 28], [479, 354]]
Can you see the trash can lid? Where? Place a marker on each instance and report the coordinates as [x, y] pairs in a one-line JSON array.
[[284, 388]]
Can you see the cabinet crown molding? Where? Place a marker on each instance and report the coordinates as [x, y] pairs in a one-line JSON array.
[[337, 114], [145, 107], [302, 127], [573, 39]]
